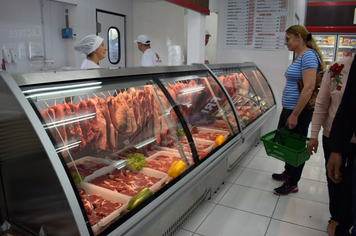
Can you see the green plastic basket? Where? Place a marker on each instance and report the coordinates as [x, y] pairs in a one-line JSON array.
[[286, 146]]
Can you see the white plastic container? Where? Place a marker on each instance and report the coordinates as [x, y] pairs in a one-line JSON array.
[[146, 171], [208, 130], [172, 154], [95, 160], [108, 195], [197, 140]]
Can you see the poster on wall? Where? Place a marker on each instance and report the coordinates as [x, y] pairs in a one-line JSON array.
[[255, 24]]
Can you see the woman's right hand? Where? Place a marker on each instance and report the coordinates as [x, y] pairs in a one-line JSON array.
[[312, 145]]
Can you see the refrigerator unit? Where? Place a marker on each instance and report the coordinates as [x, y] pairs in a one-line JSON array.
[[335, 47], [346, 46], [64, 138]]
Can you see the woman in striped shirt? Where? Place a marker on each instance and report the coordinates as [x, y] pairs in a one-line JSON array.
[[293, 114]]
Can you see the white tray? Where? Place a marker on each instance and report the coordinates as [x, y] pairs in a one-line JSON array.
[[172, 154], [147, 171], [234, 124], [197, 140], [93, 159], [108, 195], [209, 130]]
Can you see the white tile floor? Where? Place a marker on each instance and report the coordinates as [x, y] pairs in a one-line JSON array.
[[245, 204]]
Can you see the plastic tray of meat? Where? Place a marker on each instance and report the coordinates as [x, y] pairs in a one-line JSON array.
[[122, 154], [202, 145], [89, 165], [218, 124], [108, 205], [204, 133], [128, 182], [162, 160]]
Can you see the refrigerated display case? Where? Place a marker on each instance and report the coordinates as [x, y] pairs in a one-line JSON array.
[[335, 47], [346, 46], [96, 152], [327, 46]]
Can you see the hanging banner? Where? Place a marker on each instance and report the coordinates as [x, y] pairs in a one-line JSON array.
[[255, 24]]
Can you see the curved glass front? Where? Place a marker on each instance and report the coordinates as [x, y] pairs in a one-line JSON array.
[[122, 139]]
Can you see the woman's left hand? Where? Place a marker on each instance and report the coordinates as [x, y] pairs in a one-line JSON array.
[[292, 121]]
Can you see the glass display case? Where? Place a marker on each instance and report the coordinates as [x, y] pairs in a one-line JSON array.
[[248, 89], [116, 142], [346, 46], [327, 45], [336, 47]]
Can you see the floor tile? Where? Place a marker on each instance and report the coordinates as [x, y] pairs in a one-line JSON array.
[[246, 160], [183, 232], [234, 174], [266, 164], [230, 222], [313, 190], [257, 179], [302, 212], [262, 152], [279, 228], [193, 223], [215, 197], [249, 199], [314, 173], [316, 160]]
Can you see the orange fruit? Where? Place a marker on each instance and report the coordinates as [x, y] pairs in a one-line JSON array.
[[220, 140]]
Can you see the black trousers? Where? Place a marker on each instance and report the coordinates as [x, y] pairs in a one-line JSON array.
[[340, 195], [304, 120]]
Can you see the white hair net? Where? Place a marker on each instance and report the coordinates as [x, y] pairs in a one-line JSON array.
[[88, 44]]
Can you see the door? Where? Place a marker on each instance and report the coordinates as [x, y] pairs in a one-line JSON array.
[[111, 27]]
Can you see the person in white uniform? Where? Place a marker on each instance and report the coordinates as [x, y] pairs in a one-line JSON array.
[[207, 36], [93, 49], [149, 57]]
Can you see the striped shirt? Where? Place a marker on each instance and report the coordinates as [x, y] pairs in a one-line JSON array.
[[293, 74]]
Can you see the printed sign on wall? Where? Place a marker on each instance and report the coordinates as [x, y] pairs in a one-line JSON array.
[[255, 24]]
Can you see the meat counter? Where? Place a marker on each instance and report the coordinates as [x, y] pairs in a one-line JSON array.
[[114, 152]]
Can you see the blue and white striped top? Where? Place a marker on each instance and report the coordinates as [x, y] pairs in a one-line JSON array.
[[294, 73]]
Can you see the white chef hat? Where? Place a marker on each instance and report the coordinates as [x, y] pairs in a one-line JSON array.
[[88, 44]]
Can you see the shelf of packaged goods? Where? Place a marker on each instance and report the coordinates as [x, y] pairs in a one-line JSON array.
[[354, 46], [326, 46]]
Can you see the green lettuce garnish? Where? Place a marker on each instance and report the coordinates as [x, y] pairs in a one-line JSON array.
[[136, 161], [180, 132], [77, 178]]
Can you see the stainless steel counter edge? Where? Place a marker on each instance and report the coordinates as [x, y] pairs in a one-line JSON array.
[[75, 75]]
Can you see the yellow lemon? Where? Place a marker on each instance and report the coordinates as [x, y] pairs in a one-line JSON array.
[[220, 140]]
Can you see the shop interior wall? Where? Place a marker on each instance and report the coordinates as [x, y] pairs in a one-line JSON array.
[[272, 63], [161, 21], [20, 23], [212, 26]]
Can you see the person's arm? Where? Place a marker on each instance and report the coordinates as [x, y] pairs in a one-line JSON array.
[[343, 126], [344, 123], [320, 111], [206, 60], [309, 80]]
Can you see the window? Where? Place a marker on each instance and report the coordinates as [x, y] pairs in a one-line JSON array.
[[114, 45]]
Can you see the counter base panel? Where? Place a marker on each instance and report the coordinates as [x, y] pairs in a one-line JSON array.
[[183, 209]]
